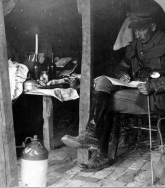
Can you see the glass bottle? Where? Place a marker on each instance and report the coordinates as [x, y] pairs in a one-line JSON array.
[[36, 68], [52, 69]]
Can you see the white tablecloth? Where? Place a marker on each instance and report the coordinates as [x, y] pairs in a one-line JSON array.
[[59, 93]]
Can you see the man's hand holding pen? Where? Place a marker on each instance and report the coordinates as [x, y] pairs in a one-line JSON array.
[[125, 78], [145, 88]]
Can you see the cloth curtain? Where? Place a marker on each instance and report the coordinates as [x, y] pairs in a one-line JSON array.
[[17, 76], [125, 35]]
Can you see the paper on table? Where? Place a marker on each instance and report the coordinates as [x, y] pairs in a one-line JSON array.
[[59, 93], [67, 72], [122, 83], [63, 61]]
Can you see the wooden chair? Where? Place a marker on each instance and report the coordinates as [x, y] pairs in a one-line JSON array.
[[130, 126]]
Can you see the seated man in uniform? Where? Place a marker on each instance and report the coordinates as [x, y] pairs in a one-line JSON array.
[[144, 55]]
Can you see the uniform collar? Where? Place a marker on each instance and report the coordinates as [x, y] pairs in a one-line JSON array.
[[155, 40]]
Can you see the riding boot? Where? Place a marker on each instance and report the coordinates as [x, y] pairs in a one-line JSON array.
[[92, 134], [106, 133], [100, 159]]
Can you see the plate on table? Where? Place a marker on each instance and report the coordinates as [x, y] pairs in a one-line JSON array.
[[62, 85]]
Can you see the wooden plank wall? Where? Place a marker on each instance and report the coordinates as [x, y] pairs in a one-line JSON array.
[[84, 7], [8, 161]]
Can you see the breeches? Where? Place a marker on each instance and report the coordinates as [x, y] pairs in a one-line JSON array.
[[122, 100]]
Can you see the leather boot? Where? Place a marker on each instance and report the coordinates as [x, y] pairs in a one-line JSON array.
[[100, 159], [94, 126]]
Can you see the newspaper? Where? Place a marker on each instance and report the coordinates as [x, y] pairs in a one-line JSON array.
[[115, 81]]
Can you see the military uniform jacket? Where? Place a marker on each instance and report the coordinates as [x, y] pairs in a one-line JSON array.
[[152, 55]]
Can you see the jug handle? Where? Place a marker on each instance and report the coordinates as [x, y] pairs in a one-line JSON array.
[[24, 143]]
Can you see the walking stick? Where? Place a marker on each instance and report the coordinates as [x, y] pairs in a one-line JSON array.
[[149, 120]]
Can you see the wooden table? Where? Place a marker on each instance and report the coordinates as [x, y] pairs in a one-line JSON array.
[[48, 136]]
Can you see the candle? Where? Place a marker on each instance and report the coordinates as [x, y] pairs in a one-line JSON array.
[[36, 45]]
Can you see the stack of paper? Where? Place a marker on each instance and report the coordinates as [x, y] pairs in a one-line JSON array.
[[122, 83], [62, 62]]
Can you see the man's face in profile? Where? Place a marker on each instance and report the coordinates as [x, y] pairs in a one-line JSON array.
[[143, 34]]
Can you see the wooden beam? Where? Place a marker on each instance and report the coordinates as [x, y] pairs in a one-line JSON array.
[[8, 160], [48, 123], [86, 76]]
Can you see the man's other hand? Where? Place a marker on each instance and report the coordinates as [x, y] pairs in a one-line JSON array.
[[146, 88], [125, 78]]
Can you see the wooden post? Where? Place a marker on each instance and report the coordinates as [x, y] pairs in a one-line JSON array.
[[84, 7], [8, 160], [48, 123]]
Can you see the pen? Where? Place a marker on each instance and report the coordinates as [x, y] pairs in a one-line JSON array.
[[127, 76]]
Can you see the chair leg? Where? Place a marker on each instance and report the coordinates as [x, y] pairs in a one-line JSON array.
[[132, 134], [136, 123]]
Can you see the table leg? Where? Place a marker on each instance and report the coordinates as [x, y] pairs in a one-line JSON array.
[[48, 135]]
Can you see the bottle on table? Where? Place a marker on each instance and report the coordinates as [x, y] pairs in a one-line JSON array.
[[36, 68], [52, 69]]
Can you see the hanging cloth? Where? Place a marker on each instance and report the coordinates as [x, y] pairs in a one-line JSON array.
[[125, 35]]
